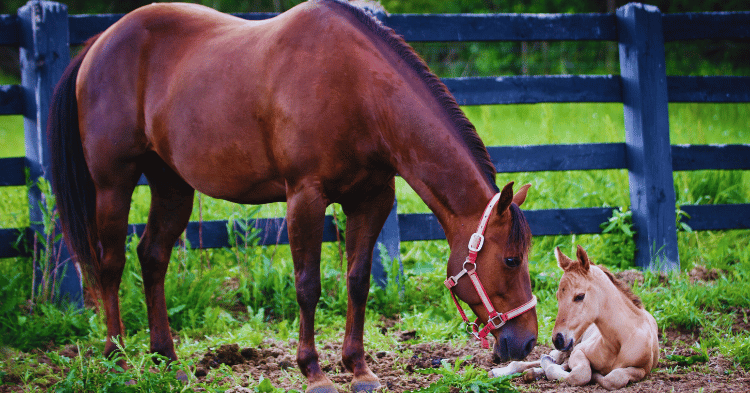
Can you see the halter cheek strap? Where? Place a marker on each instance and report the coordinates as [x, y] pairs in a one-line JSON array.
[[496, 319]]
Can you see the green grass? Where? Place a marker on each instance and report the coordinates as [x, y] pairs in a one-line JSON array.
[[213, 296]]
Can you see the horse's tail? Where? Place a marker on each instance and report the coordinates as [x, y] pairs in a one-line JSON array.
[[72, 184]]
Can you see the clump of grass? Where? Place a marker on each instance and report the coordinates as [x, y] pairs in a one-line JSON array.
[[471, 379]]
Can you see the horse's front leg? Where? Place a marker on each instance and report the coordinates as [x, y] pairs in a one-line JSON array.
[[619, 377], [305, 218], [364, 220], [171, 205]]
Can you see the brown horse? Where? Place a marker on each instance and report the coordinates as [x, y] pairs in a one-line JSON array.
[[321, 104]]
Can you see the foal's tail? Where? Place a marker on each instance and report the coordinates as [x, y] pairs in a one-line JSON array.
[[71, 181]]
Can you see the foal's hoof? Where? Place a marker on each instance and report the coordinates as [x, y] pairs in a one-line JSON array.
[[533, 374], [365, 386], [546, 361]]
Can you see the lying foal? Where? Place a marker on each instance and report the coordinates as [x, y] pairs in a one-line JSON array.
[[601, 324]]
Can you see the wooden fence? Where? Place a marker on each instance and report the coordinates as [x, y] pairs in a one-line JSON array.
[[44, 31]]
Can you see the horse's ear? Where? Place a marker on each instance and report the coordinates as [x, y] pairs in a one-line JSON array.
[[520, 196], [506, 197], [583, 258], [562, 260]]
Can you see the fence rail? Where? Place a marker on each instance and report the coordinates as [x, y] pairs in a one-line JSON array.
[[41, 28]]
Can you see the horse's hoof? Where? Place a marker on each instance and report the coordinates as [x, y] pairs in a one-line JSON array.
[[365, 386], [322, 389], [181, 376]]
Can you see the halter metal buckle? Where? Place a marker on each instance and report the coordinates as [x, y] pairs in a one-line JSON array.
[[499, 316], [476, 242], [473, 329]]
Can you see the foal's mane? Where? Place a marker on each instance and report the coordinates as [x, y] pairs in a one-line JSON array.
[[463, 126], [624, 288]]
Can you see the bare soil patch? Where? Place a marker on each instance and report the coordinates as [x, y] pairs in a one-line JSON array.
[[396, 368]]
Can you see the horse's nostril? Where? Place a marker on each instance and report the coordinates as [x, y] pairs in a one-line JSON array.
[[559, 341], [530, 346]]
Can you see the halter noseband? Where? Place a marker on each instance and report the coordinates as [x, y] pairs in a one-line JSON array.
[[496, 319]]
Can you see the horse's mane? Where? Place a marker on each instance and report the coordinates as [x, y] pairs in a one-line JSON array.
[[520, 232], [624, 288], [463, 126]]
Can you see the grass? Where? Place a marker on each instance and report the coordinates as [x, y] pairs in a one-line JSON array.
[[213, 295]]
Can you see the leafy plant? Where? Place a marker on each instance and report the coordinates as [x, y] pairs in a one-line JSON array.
[[471, 380]]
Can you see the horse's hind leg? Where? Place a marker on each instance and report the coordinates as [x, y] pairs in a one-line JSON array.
[[112, 207], [171, 205], [364, 220]]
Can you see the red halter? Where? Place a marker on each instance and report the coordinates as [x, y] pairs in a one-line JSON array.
[[496, 319]]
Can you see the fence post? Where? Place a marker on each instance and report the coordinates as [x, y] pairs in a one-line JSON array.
[[44, 54], [649, 157], [390, 238]]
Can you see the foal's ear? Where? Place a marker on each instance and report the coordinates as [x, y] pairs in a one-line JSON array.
[[506, 197], [562, 260], [583, 258], [520, 196]]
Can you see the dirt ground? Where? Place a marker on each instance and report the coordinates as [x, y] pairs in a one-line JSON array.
[[396, 369]]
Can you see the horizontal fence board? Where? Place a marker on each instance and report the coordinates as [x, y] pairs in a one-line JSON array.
[[553, 222], [215, 234], [11, 100], [728, 89], [419, 226], [8, 237], [9, 31], [503, 27], [706, 25], [717, 217], [701, 157], [12, 171], [535, 89], [83, 27], [537, 158]]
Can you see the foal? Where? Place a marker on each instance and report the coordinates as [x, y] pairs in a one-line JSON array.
[[612, 337], [601, 330]]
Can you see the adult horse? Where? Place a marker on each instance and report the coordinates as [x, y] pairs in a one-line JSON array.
[[321, 104]]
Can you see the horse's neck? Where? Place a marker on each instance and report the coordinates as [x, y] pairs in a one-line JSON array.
[[446, 177], [618, 315]]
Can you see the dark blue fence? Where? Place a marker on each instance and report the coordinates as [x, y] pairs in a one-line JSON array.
[[44, 31]]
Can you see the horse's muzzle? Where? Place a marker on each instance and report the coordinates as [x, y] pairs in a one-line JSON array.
[[511, 348]]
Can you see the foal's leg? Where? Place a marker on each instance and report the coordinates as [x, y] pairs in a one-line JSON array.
[[620, 377], [305, 217], [171, 204], [364, 220], [580, 369]]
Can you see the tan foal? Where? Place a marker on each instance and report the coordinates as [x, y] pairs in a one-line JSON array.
[[601, 324]]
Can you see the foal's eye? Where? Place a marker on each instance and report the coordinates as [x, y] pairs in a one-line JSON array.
[[579, 297], [513, 262]]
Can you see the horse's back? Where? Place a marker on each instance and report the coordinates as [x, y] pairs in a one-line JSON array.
[[258, 101]]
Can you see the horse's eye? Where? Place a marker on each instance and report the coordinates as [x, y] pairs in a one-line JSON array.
[[579, 297], [513, 262]]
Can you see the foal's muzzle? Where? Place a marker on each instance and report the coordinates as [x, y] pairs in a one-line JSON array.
[[561, 344]]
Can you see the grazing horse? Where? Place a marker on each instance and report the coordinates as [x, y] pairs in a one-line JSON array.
[[601, 330], [320, 104], [612, 337]]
